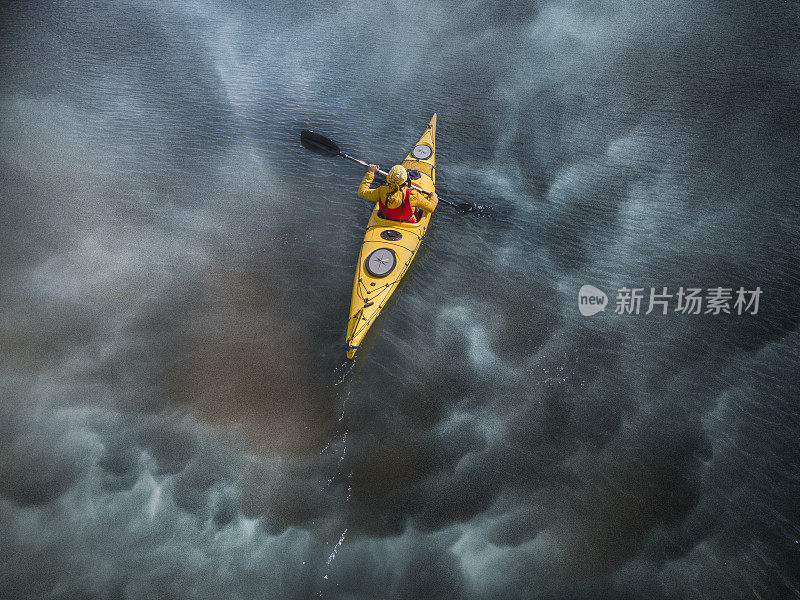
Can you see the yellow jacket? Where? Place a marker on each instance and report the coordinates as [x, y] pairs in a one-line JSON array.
[[417, 199]]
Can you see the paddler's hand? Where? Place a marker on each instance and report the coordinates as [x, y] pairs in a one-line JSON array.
[[373, 168], [435, 199]]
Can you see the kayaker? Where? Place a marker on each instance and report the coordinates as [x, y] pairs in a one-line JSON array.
[[398, 201]]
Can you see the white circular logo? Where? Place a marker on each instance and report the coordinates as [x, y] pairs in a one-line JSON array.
[[591, 300]]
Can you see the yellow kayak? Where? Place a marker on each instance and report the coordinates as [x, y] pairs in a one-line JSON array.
[[389, 247]]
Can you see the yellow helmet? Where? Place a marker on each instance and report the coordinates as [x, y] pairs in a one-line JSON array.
[[397, 175]]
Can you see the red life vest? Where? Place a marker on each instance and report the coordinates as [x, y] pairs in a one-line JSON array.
[[404, 212]]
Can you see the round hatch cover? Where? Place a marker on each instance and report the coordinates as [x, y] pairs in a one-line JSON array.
[[391, 235], [381, 262], [422, 152]]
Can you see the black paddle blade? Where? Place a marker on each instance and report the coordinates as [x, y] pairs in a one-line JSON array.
[[318, 143]]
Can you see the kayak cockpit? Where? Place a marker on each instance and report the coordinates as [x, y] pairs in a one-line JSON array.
[[417, 213], [381, 221]]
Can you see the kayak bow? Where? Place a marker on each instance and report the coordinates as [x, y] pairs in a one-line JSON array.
[[390, 246]]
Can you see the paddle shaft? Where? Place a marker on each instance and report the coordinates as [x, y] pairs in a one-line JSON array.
[[319, 144], [366, 164], [384, 173]]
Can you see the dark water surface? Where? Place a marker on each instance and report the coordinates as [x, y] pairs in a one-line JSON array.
[[178, 419]]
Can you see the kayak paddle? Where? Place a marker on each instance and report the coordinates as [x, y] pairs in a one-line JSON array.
[[319, 144]]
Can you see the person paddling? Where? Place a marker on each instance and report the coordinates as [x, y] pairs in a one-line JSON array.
[[397, 200]]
